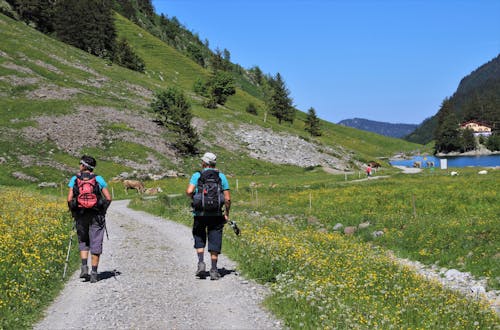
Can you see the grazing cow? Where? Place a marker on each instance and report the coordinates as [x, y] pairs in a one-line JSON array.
[[133, 184], [417, 164], [482, 172], [153, 191], [454, 173], [373, 164]]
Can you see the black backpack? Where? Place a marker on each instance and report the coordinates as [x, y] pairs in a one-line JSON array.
[[209, 196]]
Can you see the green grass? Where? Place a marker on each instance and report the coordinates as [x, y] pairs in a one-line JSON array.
[[287, 239]]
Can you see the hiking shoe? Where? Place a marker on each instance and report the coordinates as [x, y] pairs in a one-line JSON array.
[[201, 270], [214, 274], [93, 277], [85, 272]]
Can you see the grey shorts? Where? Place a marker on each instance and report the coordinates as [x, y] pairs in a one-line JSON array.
[[90, 227]]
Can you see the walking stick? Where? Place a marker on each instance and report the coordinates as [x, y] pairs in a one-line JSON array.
[[67, 254]]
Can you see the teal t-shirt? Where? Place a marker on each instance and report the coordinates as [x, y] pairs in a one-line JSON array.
[[100, 180], [194, 181]]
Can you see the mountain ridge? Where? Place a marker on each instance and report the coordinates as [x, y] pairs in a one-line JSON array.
[[396, 130]]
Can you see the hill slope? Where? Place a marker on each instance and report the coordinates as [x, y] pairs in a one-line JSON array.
[[382, 128], [59, 102], [476, 98]]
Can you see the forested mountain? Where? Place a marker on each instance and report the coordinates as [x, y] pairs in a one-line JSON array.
[[382, 128], [60, 101], [476, 98]]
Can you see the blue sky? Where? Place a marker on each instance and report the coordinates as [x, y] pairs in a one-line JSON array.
[[392, 61]]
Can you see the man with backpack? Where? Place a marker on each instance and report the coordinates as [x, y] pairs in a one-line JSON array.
[[88, 200], [209, 190]]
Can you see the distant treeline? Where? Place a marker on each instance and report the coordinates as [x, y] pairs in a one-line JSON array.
[[476, 98]]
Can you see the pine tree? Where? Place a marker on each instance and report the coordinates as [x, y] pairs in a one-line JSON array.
[[280, 103], [88, 25], [313, 123], [468, 140], [173, 111], [218, 88], [447, 136], [125, 56], [251, 108]]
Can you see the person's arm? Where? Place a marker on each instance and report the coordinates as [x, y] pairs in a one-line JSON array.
[[190, 190], [70, 194], [227, 204], [107, 195]]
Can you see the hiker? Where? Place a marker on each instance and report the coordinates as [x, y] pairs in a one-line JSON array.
[[88, 200], [209, 191], [369, 171]]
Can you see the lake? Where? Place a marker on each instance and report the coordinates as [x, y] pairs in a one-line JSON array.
[[456, 161]]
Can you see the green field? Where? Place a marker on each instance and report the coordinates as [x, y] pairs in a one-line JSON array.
[[320, 276]]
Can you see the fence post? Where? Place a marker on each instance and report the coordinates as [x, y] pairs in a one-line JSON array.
[[414, 207]]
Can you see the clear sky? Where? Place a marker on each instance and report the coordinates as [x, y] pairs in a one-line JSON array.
[[384, 60]]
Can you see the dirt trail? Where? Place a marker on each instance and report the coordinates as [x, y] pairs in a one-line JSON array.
[[146, 281]]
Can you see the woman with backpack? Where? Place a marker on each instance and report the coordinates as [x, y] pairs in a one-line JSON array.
[[209, 190], [88, 200]]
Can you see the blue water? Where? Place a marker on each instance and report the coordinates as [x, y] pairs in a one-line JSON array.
[[458, 161], [483, 161], [422, 159]]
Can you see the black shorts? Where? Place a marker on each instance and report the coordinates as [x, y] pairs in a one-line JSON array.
[[208, 227]]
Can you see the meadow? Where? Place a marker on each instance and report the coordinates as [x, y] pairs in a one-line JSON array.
[[321, 278], [34, 235]]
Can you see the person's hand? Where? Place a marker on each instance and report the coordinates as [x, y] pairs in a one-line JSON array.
[[226, 217]]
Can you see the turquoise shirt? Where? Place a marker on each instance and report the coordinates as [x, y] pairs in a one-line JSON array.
[[194, 181], [100, 180]]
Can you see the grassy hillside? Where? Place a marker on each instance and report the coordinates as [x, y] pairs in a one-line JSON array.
[[58, 102]]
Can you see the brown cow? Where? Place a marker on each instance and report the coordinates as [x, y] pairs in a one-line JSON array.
[[373, 164], [133, 184]]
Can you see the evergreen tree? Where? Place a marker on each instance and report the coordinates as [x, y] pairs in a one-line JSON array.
[[217, 61], [468, 140], [125, 56], [493, 142], [313, 123], [219, 87], [251, 108], [280, 103], [173, 111], [126, 8], [38, 12], [447, 136], [256, 74], [88, 25]]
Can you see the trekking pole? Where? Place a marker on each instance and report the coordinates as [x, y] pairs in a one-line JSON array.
[[69, 249], [234, 226]]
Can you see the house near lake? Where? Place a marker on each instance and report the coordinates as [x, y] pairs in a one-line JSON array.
[[477, 128]]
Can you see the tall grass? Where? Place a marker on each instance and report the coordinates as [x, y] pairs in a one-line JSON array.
[[34, 234]]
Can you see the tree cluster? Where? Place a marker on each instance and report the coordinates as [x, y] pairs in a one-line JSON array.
[[449, 137], [85, 24], [477, 98]]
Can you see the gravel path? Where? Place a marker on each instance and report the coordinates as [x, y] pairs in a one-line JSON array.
[[146, 281]]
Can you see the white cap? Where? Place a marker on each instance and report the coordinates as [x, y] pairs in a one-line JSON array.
[[209, 158]]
